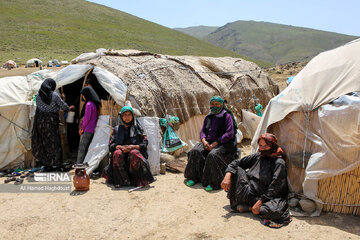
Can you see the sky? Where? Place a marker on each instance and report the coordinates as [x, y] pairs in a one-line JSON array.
[[341, 16]]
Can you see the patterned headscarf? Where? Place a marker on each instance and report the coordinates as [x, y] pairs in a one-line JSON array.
[[271, 141]]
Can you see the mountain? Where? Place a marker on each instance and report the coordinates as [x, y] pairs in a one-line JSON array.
[[49, 29], [199, 32], [274, 43]]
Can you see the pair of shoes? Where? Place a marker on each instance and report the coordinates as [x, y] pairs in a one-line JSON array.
[[9, 179], [190, 183], [19, 181], [209, 188]]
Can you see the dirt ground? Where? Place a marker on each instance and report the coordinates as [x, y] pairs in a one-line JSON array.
[[167, 210], [22, 71]]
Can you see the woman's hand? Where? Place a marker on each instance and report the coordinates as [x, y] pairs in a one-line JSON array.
[[226, 182], [206, 144], [72, 107], [256, 208], [119, 147], [81, 132], [213, 145]]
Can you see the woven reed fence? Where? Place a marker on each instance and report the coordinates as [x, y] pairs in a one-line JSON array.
[[339, 193]]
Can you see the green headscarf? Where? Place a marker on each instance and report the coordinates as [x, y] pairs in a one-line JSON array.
[[218, 99], [215, 110], [125, 109]]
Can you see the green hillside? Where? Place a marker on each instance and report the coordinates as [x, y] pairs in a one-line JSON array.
[[49, 29], [274, 43], [199, 32]]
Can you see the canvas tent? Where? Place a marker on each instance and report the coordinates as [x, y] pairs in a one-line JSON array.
[[156, 86], [10, 64], [34, 62], [320, 135], [161, 85]]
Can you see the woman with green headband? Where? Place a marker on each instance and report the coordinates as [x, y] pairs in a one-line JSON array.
[[128, 148], [208, 160]]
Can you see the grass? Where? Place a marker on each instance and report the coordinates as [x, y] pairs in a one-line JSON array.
[[273, 43], [64, 29]]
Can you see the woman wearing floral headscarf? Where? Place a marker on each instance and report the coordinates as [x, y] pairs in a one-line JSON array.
[[263, 188], [208, 160]]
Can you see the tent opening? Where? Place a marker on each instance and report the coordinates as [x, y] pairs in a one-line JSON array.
[[72, 97]]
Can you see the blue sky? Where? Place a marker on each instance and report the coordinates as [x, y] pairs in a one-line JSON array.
[[341, 16]]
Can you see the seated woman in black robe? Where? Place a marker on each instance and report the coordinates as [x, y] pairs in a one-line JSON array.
[[208, 160], [128, 148], [263, 188]]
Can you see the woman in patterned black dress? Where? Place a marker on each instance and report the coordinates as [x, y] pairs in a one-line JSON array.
[[45, 139]]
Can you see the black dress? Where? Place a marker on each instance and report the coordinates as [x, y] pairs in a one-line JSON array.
[[265, 180]]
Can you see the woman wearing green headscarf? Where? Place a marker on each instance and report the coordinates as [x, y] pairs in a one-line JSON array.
[[128, 148], [208, 160]]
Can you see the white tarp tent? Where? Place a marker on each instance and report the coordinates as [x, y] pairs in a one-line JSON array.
[[17, 107], [327, 77], [34, 62]]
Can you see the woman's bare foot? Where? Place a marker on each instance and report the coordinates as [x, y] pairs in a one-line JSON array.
[[243, 208]]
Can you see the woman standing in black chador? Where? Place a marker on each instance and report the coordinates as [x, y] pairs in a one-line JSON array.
[[45, 139]]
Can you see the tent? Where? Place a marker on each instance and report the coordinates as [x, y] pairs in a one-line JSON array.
[[34, 62], [10, 64], [156, 86], [162, 85], [317, 123]]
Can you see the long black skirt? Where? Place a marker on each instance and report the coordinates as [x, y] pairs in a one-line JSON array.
[[276, 209], [127, 169], [45, 139], [208, 167]]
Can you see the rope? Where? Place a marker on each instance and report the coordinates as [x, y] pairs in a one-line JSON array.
[[14, 123]]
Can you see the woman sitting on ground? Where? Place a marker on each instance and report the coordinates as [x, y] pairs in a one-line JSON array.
[[208, 160], [128, 148], [90, 114], [263, 188], [45, 139]]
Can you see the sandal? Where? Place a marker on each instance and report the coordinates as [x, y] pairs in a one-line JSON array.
[[190, 183], [272, 224], [209, 188], [9, 179], [19, 181]]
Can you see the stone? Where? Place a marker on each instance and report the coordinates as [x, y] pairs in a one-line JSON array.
[[165, 158], [307, 205], [177, 165], [293, 202]]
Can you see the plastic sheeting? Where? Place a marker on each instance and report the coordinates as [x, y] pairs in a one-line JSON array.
[[249, 122], [36, 79], [99, 146], [15, 133], [327, 135], [88, 56], [151, 127], [112, 84], [71, 74]]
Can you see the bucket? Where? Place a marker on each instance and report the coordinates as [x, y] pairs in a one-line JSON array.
[[70, 117]]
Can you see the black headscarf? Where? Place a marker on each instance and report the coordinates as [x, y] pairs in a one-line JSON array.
[[90, 95], [46, 90]]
